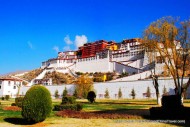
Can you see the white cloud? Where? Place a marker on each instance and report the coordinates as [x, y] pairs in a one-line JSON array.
[[56, 48], [67, 40], [80, 40], [30, 45], [66, 48]]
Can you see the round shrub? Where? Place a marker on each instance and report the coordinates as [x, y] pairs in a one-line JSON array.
[[76, 107], [68, 100], [13, 104], [37, 104], [79, 107], [3, 98], [18, 101], [91, 96], [7, 97]]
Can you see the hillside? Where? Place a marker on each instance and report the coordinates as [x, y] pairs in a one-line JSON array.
[[14, 73], [31, 75], [59, 78]]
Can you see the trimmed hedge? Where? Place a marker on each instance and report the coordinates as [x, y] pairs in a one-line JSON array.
[[7, 97], [68, 100], [91, 96], [76, 107], [171, 109], [171, 101], [37, 104], [18, 101], [13, 104]]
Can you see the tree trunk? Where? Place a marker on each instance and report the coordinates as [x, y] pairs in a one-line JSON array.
[[158, 98], [18, 90], [155, 82], [159, 101]]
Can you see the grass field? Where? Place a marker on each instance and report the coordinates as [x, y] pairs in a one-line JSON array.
[[123, 106]]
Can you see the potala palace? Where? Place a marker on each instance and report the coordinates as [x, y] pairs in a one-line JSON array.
[[102, 56]]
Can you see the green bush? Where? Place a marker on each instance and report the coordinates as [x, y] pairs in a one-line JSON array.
[[75, 94], [119, 93], [13, 104], [37, 104], [76, 107], [133, 94], [91, 96], [68, 100], [18, 101], [107, 94], [79, 73], [56, 94], [148, 94], [2, 98], [65, 92], [7, 97]]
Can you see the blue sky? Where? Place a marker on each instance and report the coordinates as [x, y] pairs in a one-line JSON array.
[[32, 31]]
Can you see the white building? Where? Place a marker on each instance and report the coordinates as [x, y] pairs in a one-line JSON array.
[[9, 86], [129, 57]]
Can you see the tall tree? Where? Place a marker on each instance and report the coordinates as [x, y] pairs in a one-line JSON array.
[[151, 55], [83, 85], [56, 94], [119, 93], [65, 92], [133, 94], [19, 85], [148, 93], [168, 39], [107, 94], [164, 90], [75, 94]]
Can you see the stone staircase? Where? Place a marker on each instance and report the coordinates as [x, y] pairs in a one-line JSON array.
[[40, 76]]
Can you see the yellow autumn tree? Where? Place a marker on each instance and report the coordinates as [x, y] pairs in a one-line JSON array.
[[168, 41], [83, 85]]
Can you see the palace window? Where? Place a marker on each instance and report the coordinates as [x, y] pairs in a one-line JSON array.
[[14, 87]]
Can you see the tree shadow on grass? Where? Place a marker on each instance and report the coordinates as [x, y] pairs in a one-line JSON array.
[[145, 114], [18, 121]]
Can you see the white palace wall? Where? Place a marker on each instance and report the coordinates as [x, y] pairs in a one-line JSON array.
[[137, 63], [135, 77], [118, 67], [140, 88], [70, 88], [93, 65]]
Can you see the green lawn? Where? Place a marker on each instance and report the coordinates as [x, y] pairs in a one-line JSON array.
[[104, 105], [137, 107], [10, 114]]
